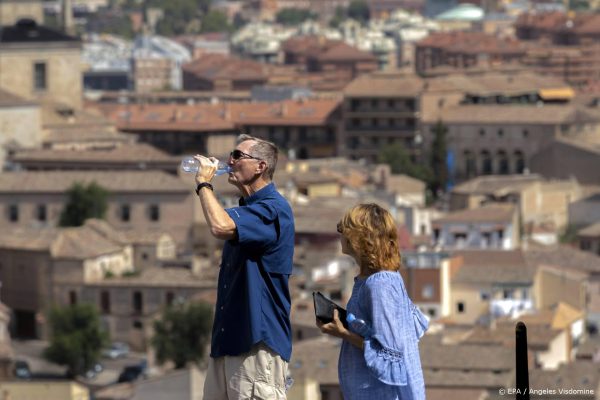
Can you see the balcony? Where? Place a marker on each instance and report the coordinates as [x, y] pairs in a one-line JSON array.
[[510, 307]]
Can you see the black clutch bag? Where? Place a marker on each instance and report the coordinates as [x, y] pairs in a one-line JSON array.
[[324, 309]]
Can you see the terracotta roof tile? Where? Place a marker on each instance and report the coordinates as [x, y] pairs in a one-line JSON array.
[[60, 181], [385, 85], [489, 213], [224, 117], [218, 66], [471, 42], [129, 153], [10, 100]]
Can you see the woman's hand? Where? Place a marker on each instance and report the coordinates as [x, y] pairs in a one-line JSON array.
[[334, 328]]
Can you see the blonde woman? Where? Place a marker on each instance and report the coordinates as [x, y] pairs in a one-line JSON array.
[[385, 365]]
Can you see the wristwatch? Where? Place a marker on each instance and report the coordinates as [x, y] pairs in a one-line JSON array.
[[203, 185]]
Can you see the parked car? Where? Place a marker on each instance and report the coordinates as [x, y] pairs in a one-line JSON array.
[[116, 350], [21, 370], [133, 372], [94, 371]]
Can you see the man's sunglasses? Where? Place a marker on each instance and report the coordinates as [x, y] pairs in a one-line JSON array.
[[238, 154]]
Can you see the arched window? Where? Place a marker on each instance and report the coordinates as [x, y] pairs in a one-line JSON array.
[[519, 162], [486, 163], [503, 167], [470, 164]]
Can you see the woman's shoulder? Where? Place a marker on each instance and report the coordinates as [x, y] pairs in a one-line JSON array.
[[385, 279]]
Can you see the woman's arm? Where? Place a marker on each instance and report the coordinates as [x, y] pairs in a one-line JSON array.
[[337, 329]]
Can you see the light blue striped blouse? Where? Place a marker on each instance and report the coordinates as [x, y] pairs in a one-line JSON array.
[[389, 367]]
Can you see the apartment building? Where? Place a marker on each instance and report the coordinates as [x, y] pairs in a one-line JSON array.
[[137, 199], [40, 63], [493, 227], [379, 110]]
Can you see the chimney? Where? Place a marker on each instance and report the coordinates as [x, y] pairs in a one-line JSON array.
[[67, 17]]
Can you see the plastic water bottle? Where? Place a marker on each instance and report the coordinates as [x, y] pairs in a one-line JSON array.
[[191, 165], [359, 326]]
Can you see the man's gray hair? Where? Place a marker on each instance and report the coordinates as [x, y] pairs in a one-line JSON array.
[[263, 149]]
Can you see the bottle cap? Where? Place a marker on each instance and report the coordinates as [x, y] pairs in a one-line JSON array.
[[350, 317]]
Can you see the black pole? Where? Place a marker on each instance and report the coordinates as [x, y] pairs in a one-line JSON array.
[[522, 367]]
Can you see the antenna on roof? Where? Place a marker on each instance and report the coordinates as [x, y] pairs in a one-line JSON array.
[[522, 366]]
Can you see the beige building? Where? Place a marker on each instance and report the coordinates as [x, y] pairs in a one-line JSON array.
[[40, 63], [152, 74], [487, 284], [118, 156], [502, 139], [20, 124], [45, 267], [567, 275], [12, 11], [567, 157], [539, 201], [380, 110], [589, 238], [6, 351], [491, 227], [150, 200], [129, 304], [44, 390]]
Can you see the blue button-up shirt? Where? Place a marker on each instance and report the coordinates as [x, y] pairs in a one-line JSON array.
[[253, 300]]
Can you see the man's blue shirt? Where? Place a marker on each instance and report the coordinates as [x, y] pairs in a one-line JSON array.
[[253, 300]]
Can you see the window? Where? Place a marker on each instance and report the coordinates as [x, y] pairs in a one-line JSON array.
[[470, 164], [500, 132], [41, 212], [138, 325], [72, 297], [507, 294], [137, 302], [13, 213], [125, 213], [519, 162], [460, 307], [170, 298], [39, 76], [436, 234], [585, 245], [482, 132], [484, 296], [427, 291], [486, 239], [105, 302], [503, 168], [525, 133], [486, 162], [431, 312], [154, 212]]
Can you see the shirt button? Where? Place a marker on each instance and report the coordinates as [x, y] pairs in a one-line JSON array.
[[224, 286], [222, 329], [221, 307]]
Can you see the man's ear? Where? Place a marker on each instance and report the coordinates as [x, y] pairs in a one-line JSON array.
[[262, 167]]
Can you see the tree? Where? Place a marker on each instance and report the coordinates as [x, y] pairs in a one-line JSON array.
[[359, 10], [399, 161], [84, 202], [293, 16], [76, 338], [437, 161], [179, 16], [215, 21], [182, 333]]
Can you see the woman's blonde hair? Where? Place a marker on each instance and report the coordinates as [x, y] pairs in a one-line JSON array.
[[372, 236]]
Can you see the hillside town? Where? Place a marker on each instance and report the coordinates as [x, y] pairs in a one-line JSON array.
[[476, 123]]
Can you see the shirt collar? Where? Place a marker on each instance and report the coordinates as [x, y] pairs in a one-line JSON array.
[[260, 195]]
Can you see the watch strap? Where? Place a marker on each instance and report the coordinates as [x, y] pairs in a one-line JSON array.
[[203, 185]]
